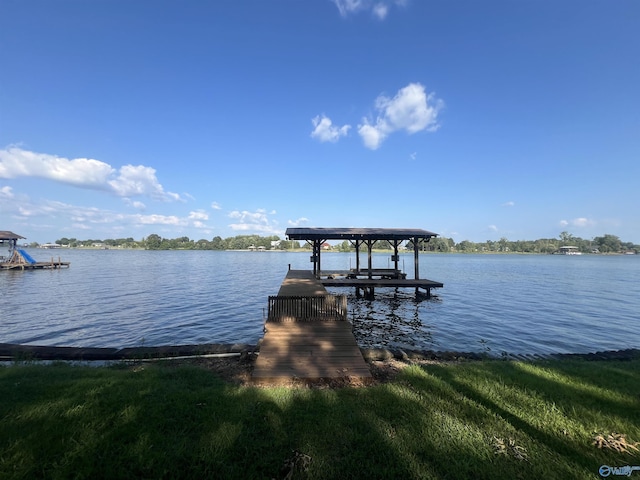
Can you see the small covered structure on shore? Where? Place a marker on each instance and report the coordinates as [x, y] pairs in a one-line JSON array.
[[367, 278]]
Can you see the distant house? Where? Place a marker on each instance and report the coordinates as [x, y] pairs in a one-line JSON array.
[[326, 246], [569, 250]]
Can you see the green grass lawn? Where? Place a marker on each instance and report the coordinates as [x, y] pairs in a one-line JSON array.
[[486, 419]]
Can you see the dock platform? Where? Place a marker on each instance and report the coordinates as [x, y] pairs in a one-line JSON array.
[[311, 340], [53, 264], [367, 285]]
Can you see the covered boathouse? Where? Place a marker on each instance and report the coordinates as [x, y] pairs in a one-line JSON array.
[[366, 278], [307, 334], [19, 259]]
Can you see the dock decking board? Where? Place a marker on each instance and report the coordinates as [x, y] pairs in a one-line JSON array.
[[301, 283], [308, 349]]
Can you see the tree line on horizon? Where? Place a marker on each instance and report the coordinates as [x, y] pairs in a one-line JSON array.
[[605, 244]]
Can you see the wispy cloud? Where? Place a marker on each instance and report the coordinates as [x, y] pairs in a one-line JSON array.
[[128, 181], [298, 222], [580, 222], [89, 218], [325, 131], [509, 204], [412, 109], [7, 193], [378, 8], [216, 206], [135, 204], [259, 221]]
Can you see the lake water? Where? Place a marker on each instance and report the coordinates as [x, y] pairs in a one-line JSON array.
[[518, 304]]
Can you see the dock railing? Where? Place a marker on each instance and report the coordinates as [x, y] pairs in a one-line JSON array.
[[306, 308]]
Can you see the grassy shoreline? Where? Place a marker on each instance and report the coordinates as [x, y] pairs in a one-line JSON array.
[[473, 419]]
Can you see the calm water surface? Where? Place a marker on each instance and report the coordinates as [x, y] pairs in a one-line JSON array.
[[519, 304]]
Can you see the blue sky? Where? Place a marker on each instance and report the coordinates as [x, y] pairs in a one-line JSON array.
[[475, 120]]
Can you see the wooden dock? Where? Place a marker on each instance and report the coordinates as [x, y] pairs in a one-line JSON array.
[[53, 264], [311, 340], [368, 285]]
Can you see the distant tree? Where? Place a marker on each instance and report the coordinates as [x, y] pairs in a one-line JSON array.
[[202, 244], [217, 243], [153, 242], [566, 238], [466, 246], [439, 245], [345, 246], [608, 243]]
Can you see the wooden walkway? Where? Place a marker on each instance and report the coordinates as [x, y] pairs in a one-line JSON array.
[[311, 348]]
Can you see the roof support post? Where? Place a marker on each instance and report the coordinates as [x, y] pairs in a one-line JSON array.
[[370, 259], [356, 243], [396, 258], [416, 258], [317, 246]]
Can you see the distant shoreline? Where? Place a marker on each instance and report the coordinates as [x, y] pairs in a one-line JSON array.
[[303, 250]]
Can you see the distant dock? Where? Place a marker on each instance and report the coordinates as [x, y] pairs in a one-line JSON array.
[[20, 259], [52, 264]]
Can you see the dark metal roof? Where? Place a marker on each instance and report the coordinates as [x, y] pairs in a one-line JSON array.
[[7, 235], [358, 233]]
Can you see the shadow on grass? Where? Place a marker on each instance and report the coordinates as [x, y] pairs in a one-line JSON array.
[[162, 421], [555, 406]]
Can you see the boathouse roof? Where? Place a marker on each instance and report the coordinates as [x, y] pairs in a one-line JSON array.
[[358, 233], [7, 235]]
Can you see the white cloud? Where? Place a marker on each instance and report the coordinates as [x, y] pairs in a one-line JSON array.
[[155, 219], [258, 221], [128, 181], [411, 110], [198, 215], [581, 222], [509, 204], [493, 228], [378, 8], [135, 204], [413, 156], [89, 218], [325, 131], [90, 173], [346, 7], [216, 206], [298, 222], [371, 136], [6, 193]]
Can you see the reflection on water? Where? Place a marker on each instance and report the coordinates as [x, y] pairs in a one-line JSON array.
[[521, 304], [392, 320]]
